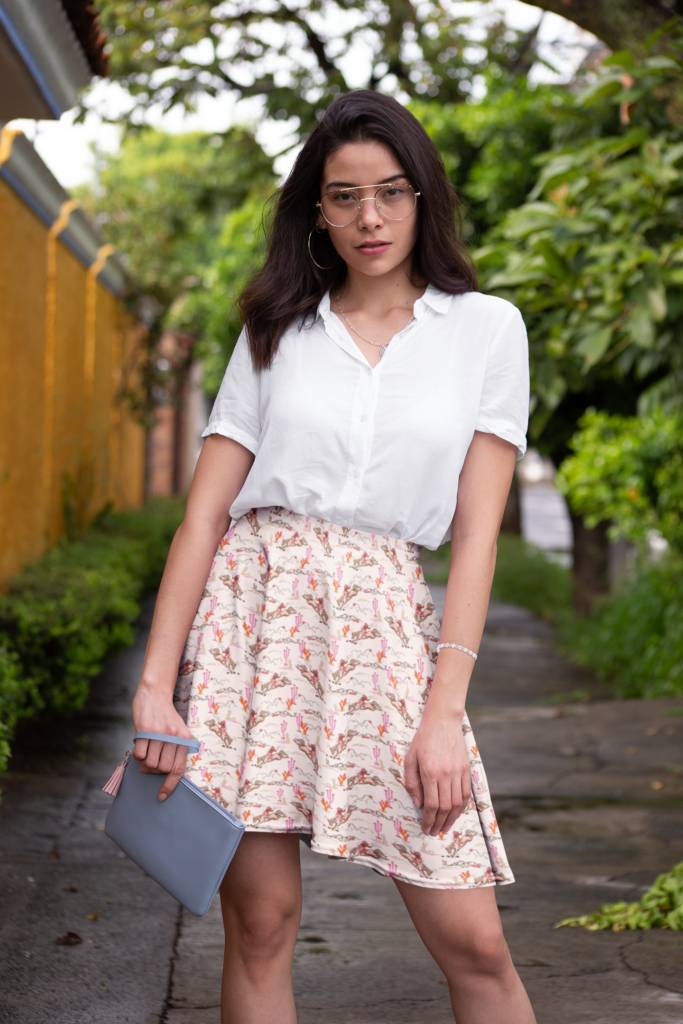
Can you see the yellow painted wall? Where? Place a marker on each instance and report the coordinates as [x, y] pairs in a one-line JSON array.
[[71, 420]]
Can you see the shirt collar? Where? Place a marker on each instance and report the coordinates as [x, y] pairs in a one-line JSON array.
[[324, 307], [433, 298]]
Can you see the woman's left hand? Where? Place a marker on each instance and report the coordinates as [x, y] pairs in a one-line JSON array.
[[438, 768]]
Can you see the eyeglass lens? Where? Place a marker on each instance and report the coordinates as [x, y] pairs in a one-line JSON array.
[[395, 202]]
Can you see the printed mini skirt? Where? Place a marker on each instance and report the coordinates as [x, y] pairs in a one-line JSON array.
[[304, 677]]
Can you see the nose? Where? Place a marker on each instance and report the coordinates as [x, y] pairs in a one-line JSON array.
[[369, 216]]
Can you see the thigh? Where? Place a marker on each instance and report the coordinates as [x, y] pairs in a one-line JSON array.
[[265, 873], [454, 923]]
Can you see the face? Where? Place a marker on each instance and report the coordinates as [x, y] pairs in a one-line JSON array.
[[373, 244]]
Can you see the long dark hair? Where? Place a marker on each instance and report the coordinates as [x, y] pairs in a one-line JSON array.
[[289, 285]]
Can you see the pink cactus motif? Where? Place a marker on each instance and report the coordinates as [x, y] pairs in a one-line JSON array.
[[387, 598], [340, 573], [330, 796], [252, 620], [381, 572], [334, 648], [280, 795], [388, 796], [331, 721], [397, 826], [295, 587], [213, 602], [375, 678], [475, 780], [302, 647], [378, 829], [298, 791], [299, 722], [375, 607], [420, 666], [285, 655], [299, 619], [385, 645], [309, 580], [308, 522], [193, 714], [203, 771], [294, 692], [202, 748], [289, 824], [207, 676], [247, 694], [215, 631], [411, 592], [376, 754], [392, 751], [283, 730], [392, 867]]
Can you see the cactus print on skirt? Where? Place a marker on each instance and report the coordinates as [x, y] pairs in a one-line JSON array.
[[304, 677]]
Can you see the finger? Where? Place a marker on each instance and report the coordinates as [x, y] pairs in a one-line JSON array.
[[445, 805], [413, 784], [431, 802], [140, 750], [457, 806], [175, 774], [167, 757], [154, 749]]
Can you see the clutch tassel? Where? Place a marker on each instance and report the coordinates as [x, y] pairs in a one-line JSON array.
[[114, 783]]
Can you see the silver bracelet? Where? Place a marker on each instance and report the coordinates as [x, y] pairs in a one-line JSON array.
[[457, 647]]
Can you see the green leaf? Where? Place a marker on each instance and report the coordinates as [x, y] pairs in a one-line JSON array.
[[594, 345]]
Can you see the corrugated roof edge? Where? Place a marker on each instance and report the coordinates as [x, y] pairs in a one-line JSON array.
[[32, 180], [85, 22]]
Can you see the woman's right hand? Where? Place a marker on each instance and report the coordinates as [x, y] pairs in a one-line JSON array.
[[154, 714]]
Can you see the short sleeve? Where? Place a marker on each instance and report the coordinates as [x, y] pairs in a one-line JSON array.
[[504, 404], [236, 412]]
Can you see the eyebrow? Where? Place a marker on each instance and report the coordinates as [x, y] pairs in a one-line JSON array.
[[349, 184]]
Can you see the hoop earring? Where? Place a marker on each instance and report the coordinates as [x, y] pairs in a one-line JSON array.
[[313, 257]]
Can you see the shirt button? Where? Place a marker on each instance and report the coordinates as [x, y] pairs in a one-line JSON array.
[[362, 419]]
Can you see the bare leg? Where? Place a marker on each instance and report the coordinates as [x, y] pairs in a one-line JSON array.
[[261, 904], [461, 929]]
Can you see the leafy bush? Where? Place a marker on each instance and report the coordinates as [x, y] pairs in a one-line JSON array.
[[628, 470], [67, 612], [634, 638], [595, 257], [660, 907]]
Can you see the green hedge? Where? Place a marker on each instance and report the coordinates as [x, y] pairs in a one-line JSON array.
[[634, 637], [67, 612]]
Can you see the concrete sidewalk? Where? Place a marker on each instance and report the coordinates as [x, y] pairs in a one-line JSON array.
[[589, 797]]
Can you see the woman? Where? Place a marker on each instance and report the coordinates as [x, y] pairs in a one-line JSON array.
[[375, 402]]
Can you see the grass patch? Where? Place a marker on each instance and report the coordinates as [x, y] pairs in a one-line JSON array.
[[524, 575]]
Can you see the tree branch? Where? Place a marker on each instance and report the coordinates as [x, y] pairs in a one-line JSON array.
[[621, 24]]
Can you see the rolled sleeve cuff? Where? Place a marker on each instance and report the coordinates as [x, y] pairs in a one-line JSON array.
[[234, 433], [507, 433]]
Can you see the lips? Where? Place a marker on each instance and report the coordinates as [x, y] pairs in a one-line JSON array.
[[373, 248]]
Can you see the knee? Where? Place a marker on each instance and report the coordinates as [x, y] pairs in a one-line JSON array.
[[263, 930], [485, 952]]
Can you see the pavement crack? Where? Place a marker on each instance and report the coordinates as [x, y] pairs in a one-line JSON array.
[[637, 970], [168, 1001]]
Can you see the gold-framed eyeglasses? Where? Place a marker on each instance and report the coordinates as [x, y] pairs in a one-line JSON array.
[[394, 200]]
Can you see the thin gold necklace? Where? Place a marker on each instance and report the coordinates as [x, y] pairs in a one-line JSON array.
[[378, 344]]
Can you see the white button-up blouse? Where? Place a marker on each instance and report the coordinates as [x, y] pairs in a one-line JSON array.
[[378, 450]]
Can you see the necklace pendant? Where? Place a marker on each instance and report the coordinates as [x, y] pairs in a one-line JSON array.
[[382, 351]]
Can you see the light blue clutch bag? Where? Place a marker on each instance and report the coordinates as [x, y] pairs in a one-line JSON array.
[[185, 843]]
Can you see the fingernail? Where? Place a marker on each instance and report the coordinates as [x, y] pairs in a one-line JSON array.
[[162, 796]]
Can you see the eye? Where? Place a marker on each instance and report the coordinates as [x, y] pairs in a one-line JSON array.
[[342, 198]]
